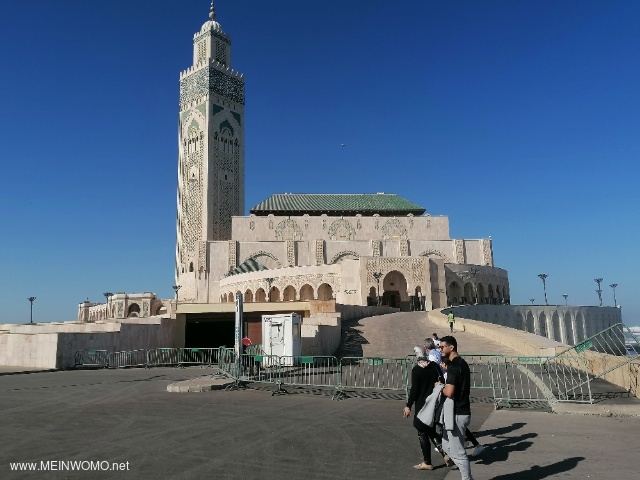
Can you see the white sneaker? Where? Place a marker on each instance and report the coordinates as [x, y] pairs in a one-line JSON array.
[[478, 450]]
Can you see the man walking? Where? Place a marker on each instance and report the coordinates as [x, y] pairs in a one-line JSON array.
[[452, 320], [457, 388]]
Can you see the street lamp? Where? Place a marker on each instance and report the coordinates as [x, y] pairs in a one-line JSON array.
[[599, 290], [107, 296], [532, 300], [543, 277], [565, 299], [175, 289], [378, 276], [615, 302], [31, 300]]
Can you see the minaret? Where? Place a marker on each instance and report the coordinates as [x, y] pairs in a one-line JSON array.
[[211, 152]]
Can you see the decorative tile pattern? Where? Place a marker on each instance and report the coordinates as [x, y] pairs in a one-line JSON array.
[[202, 256], [435, 253], [319, 252], [487, 258], [288, 230], [375, 247], [404, 248], [190, 193], [341, 230], [221, 52], [393, 229], [233, 248], [211, 80], [291, 253], [459, 245]]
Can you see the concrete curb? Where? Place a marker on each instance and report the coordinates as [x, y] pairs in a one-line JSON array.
[[604, 410], [205, 383]]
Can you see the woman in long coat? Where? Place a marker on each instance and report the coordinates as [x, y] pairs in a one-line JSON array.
[[424, 376]]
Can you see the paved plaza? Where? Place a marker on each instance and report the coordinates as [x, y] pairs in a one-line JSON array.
[[128, 416]]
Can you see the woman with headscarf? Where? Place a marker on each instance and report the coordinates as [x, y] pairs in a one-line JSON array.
[[424, 375]]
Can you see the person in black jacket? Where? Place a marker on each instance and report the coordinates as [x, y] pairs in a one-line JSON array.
[[424, 376]]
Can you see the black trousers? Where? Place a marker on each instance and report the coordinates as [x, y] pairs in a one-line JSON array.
[[426, 435]]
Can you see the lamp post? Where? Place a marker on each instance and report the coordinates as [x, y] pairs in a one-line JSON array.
[[615, 302], [532, 300], [599, 290], [565, 299], [107, 296], [378, 276], [543, 277], [175, 289], [31, 300]]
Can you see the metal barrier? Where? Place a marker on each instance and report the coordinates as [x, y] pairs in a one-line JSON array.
[[311, 371], [91, 358], [131, 358], [374, 373], [204, 357], [163, 357], [538, 379]]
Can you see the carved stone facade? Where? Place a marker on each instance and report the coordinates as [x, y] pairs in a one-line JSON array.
[[342, 230], [319, 252], [459, 246]]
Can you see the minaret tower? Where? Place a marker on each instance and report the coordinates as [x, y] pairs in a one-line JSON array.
[[211, 153]]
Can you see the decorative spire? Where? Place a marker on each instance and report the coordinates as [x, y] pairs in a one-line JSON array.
[[212, 11]]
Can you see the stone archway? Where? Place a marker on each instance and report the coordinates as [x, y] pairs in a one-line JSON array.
[[568, 329], [306, 292], [454, 293], [261, 296], [325, 292], [289, 294], [248, 296], [133, 310], [394, 288]]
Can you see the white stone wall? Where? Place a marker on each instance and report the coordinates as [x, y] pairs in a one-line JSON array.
[[569, 325], [53, 345], [306, 227]]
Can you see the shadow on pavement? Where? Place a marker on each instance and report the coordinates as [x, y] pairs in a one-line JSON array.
[[499, 451], [537, 472], [494, 432], [352, 340]]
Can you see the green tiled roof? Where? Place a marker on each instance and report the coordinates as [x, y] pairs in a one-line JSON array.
[[250, 265], [317, 204]]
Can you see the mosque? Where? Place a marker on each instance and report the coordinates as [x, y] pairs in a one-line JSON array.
[[327, 257], [355, 249]]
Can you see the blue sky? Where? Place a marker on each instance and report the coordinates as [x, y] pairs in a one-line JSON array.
[[519, 120]]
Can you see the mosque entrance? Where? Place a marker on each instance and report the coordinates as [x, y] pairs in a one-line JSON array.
[[394, 290]]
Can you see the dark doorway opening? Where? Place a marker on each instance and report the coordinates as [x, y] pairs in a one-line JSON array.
[[209, 333]]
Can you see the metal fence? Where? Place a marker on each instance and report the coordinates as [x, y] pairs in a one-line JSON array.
[[155, 357], [511, 379], [131, 358], [91, 358]]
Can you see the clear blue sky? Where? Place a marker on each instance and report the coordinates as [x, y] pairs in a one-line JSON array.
[[519, 120]]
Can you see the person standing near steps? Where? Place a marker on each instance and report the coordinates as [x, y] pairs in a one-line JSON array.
[[452, 319], [458, 388]]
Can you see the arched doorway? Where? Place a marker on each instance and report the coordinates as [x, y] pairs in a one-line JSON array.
[[325, 292], [289, 294], [468, 293], [394, 288], [568, 328], [248, 296], [306, 292], [275, 295], [261, 296], [481, 295], [134, 310], [454, 294]]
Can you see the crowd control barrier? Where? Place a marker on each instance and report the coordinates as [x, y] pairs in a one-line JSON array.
[[91, 358]]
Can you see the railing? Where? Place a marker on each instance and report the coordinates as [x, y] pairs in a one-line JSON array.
[[512, 379], [91, 358]]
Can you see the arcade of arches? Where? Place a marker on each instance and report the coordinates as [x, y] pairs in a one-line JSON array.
[[458, 294]]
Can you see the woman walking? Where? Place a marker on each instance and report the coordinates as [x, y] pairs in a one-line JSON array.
[[424, 375]]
